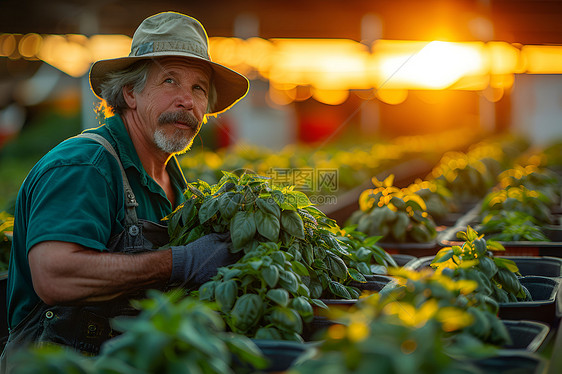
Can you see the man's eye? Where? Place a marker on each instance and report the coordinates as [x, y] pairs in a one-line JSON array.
[[169, 80], [198, 87]]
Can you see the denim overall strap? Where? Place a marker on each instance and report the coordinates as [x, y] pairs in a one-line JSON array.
[[133, 230]]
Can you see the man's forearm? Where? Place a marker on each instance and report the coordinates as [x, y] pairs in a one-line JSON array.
[[68, 273]]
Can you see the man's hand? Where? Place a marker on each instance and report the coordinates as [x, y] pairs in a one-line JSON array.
[[198, 261]]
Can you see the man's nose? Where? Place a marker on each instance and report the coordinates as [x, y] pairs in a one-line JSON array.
[[184, 98]]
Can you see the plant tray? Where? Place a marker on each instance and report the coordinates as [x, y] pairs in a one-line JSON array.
[[526, 335], [315, 329], [374, 283], [280, 353], [543, 266], [403, 259], [512, 362], [553, 248], [546, 306]]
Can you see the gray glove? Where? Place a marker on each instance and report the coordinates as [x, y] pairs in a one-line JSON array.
[[198, 261]]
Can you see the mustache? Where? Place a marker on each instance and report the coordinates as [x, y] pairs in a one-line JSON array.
[[180, 116]]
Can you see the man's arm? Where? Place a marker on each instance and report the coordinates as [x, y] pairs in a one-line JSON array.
[[66, 273]]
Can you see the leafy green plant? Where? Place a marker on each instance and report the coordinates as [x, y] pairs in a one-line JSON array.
[[534, 178], [397, 215], [518, 198], [508, 225], [474, 260], [424, 324], [6, 228], [437, 197], [293, 254], [465, 175], [365, 255], [171, 335]]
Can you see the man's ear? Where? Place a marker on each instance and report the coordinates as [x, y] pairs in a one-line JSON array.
[[129, 96]]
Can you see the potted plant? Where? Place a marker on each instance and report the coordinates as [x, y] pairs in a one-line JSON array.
[[474, 259], [427, 323], [292, 254], [171, 334], [399, 216]]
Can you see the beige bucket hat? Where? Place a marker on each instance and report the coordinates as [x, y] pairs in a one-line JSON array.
[[174, 34]]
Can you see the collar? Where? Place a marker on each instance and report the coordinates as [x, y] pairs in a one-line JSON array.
[[130, 158]]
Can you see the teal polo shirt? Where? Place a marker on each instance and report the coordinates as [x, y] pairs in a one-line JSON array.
[[75, 194]]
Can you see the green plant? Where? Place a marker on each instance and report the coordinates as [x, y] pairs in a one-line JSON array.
[[474, 260], [535, 178], [425, 324], [518, 198], [437, 197], [170, 335], [508, 225], [397, 215], [365, 255], [6, 228], [292, 254], [465, 175]]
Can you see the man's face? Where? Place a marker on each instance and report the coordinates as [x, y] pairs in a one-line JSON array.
[[173, 103]]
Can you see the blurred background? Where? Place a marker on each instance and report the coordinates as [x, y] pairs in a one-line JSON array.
[[326, 76]]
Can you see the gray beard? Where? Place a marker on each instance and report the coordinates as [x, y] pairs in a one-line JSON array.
[[176, 143]]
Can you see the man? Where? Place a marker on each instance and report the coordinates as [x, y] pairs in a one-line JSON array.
[[86, 229]]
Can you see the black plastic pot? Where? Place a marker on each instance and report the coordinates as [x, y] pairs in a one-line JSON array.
[[526, 335], [281, 354], [374, 283], [512, 362], [544, 266], [546, 305], [403, 259], [552, 248]]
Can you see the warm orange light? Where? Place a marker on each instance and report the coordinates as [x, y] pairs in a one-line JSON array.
[[423, 65], [30, 45], [65, 54], [504, 58], [327, 64], [542, 59], [103, 47], [7, 44], [392, 96], [331, 97]]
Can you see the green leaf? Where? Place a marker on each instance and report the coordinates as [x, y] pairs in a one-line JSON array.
[[337, 266], [286, 319], [299, 268], [242, 228], [298, 199], [289, 281], [269, 206], [339, 290], [267, 225], [225, 294], [207, 291], [247, 312], [292, 223], [246, 350], [270, 275], [229, 204], [188, 212], [356, 275], [443, 255], [278, 295], [303, 307], [208, 209]]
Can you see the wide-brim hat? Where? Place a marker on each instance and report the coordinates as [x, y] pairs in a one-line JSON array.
[[174, 34]]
